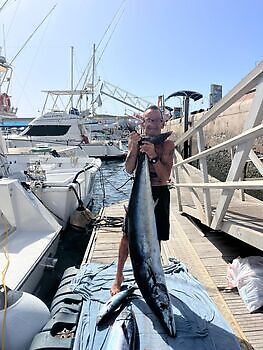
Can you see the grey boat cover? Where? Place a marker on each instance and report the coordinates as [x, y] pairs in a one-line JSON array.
[[199, 324]]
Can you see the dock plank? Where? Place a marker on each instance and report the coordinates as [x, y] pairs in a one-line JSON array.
[[206, 257]]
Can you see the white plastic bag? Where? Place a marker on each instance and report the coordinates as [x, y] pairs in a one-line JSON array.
[[247, 275]]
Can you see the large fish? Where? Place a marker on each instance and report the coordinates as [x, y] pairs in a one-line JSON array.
[[123, 334], [113, 304], [144, 246]]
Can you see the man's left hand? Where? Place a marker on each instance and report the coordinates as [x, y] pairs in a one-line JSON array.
[[149, 149]]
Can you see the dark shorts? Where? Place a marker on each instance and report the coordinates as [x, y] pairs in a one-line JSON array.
[[161, 194]]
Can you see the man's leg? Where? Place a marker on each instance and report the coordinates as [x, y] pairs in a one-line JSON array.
[[123, 254]]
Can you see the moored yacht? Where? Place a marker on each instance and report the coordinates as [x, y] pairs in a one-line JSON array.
[[38, 195], [62, 128]]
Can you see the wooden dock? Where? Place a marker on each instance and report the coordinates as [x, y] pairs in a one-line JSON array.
[[206, 257]]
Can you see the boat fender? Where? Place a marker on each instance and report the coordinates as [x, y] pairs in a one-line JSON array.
[[69, 298], [81, 218], [45, 341], [26, 315], [64, 294], [66, 306], [70, 271], [62, 319]]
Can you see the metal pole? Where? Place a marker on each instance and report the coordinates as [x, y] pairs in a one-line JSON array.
[[186, 94], [71, 76], [93, 81], [186, 115]]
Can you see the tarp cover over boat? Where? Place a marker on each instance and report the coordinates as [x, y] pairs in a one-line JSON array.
[[199, 324]]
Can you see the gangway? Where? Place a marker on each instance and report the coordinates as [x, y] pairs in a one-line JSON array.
[[218, 204]]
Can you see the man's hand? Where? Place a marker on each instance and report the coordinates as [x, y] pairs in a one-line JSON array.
[[133, 140], [149, 149]]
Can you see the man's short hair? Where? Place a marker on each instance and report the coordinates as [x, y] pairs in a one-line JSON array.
[[155, 108]]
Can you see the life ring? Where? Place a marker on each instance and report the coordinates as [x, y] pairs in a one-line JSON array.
[[5, 101]]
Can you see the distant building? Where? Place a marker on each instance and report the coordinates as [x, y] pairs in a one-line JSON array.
[[215, 94]]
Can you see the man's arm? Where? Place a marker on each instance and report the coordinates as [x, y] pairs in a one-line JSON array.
[[164, 166], [133, 149]]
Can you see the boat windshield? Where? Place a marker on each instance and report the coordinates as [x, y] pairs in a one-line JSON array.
[[46, 130]]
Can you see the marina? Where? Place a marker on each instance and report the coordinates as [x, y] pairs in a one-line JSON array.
[[206, 251], [87, 177], [204, 248]]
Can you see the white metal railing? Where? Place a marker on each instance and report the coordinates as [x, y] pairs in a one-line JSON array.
[[243, 145]]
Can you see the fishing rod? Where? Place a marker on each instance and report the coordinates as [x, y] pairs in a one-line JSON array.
[[87, 69], [5, 3], [29, 38], [25, 43]]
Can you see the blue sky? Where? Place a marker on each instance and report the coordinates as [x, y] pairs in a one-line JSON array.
[[158, 46]]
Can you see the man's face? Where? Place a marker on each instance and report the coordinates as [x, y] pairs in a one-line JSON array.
[[153, 122]]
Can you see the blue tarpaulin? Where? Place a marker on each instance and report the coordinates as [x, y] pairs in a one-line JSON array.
[[199, 324]]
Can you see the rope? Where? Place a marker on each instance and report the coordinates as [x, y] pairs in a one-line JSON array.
[[113, 221]]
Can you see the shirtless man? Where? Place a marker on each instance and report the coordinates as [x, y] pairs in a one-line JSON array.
[[161, 161]]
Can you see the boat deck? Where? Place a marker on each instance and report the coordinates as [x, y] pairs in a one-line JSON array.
[[206, 257]]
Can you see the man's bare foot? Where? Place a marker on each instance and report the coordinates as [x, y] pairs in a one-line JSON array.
[[116, 287]]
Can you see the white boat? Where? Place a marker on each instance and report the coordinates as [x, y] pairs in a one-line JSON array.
[[62, 184], [29, 234], [38, 194], [62, 128]]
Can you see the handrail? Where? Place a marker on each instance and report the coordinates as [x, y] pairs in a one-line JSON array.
[[245, 85], [257, 184], [244, 136], [214, 211]]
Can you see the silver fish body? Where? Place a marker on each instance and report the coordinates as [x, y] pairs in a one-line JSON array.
[[123, 334], [113, 304], [144, 247]]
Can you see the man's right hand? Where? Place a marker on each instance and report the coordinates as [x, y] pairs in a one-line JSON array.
[[133, 140]]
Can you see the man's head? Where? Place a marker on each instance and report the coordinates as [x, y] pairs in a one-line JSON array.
[[153, 121]]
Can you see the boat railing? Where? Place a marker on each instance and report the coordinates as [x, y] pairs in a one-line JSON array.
[[242, 149]]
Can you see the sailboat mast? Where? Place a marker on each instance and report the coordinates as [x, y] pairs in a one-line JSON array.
[[71, 75], [92, 81]]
